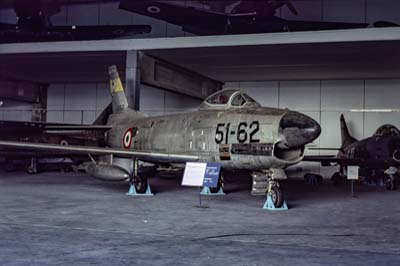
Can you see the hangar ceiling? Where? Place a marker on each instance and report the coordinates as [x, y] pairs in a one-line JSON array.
[[351, 60], [291, 61]]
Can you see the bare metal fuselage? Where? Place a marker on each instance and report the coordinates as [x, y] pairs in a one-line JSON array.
[[238, 138]]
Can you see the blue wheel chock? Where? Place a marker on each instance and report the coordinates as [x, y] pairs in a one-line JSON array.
[[269, 205], [132, 192], [207, 192]]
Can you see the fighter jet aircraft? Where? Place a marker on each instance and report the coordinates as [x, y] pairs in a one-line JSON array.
[[229, 128], [229, 17], [378, 156], [34, 25]]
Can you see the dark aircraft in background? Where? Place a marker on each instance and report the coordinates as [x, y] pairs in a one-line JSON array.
[[229, 128], [34, 25], [229, 17], [377, 156], [39, 132]]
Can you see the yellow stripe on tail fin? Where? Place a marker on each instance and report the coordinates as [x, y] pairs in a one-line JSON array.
[[115, 81], [119, 101]]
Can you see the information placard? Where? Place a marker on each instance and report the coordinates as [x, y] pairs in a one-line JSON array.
[[211, 176], [352, 172], [194, 174]]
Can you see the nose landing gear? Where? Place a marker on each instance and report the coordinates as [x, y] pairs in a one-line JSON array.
[[275, 193], [264, 183]]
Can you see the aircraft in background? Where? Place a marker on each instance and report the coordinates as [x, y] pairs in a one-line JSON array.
[[377, 156], [229, 128], [34, 24], [39, 132], [229, 17]]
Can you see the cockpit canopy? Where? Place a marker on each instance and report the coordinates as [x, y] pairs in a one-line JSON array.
[[228, 98], [387, 130]]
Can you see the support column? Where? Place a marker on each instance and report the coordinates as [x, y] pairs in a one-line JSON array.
[[132, 79]]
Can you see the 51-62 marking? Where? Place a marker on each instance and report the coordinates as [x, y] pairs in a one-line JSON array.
[[244, 132]]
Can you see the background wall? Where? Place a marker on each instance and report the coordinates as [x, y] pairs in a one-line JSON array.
[[82, 102]]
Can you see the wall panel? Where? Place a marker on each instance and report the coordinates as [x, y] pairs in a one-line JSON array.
[[300, 95], [382, 94], [307, 10], [344, 11], [80, 96], [83, 14], [387, 10], [110, 14], [265, 92], [342, 95]]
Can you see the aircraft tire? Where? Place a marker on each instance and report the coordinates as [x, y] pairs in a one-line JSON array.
[[140, 183], [277, 196]]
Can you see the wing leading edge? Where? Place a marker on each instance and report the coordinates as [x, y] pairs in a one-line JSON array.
[[84, 150]]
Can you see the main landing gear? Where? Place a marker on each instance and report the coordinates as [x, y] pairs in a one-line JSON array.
[[32, 168], [139, 184], [390, 181]]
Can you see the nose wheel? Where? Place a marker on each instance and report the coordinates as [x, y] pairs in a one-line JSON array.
[[276, 196], [275, 193]]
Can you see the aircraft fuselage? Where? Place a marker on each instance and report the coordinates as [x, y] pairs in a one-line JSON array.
[[238, 138]]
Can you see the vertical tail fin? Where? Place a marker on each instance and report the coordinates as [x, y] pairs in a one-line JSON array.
[[103, 117], [119, 101], [347, 139]]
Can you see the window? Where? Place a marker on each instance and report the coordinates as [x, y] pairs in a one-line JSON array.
[[238, 100], [221, 97]]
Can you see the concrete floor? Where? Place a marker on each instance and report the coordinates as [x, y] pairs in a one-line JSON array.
[[69, 219]]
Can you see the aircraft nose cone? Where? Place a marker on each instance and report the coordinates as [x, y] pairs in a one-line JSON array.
[[298, 129]]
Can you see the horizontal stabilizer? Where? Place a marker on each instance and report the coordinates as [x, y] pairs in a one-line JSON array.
[[78, 127]]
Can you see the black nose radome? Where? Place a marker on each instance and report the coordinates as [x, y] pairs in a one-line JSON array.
[[298, 130]]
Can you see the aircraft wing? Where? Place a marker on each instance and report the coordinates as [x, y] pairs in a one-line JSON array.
[[11, 3], [293, 25], [101, 31], [85, 150], [9, 33], [333, 160], [192, 19], [204, 21], [327, 160], [16, 128]]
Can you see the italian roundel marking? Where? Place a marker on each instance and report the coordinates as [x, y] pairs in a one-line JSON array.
[[127, 141], [153, 9]]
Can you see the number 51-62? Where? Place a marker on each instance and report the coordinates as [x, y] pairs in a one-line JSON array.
[[243, 133]]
